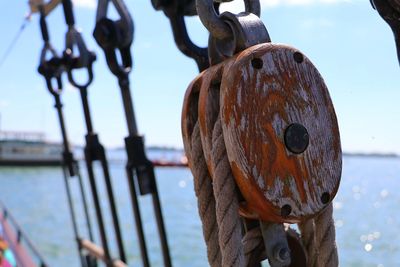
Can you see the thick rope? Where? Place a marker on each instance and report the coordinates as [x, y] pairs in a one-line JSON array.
[[227, 204], [205, 199], [253, 245], [222, 226], [318, 235]]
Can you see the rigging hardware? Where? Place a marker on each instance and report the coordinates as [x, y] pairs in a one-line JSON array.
[[176, 10], [112, 37], [94, 150], [52, 69], [269, 150]]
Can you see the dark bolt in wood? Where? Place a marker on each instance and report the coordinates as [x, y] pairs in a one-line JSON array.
[[296, 138]]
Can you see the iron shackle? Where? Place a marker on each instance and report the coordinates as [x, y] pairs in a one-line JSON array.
[[212, 21], [115, 35], [51, 69], [84, 59], [125, 23]]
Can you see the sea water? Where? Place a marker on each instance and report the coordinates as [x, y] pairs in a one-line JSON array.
[[366, 212]]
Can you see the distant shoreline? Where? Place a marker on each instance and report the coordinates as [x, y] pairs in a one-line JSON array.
[[347, 154], [371, 155]]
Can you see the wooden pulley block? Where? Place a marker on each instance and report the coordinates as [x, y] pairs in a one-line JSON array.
[[281, 133]]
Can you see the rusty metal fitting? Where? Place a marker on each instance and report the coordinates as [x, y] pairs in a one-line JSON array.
[[213, 22]]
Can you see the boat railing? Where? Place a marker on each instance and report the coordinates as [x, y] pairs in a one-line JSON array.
[[18, 240]]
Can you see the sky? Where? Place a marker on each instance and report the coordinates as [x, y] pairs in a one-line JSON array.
[[352, 47]]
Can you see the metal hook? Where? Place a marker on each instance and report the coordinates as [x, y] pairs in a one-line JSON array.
[[212, 21], [185, 45]]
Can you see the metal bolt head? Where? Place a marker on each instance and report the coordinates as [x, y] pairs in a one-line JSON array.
[[282, 254], [296, 138]]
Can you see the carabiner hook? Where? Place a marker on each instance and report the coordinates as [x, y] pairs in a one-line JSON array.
[[212, 21], [84, 59], [115, 35]]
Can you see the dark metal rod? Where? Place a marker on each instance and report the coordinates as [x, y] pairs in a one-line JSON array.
[[128, 107], [161, 228], [43, 25], [85, 205], [113, 207], [72, 213], [58, 106], [98, 153], [68, 12], [73, 168], [133, 131], [97, 207], [138, 219], [86, 110]]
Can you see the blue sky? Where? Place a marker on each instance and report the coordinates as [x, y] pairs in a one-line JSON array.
[[350, 44]]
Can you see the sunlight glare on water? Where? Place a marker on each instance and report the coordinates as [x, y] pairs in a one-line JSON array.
[[366, 212]]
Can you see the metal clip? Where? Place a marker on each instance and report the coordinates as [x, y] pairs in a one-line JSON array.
[[115, 35]]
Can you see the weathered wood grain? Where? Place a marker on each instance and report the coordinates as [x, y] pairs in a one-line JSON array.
[[266, 89]]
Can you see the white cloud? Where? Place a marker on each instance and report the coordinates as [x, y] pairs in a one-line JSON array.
[[91, 4]]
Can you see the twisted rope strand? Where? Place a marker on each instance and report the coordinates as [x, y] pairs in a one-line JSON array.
[[227, 204], [205, 199], [318, 236]]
